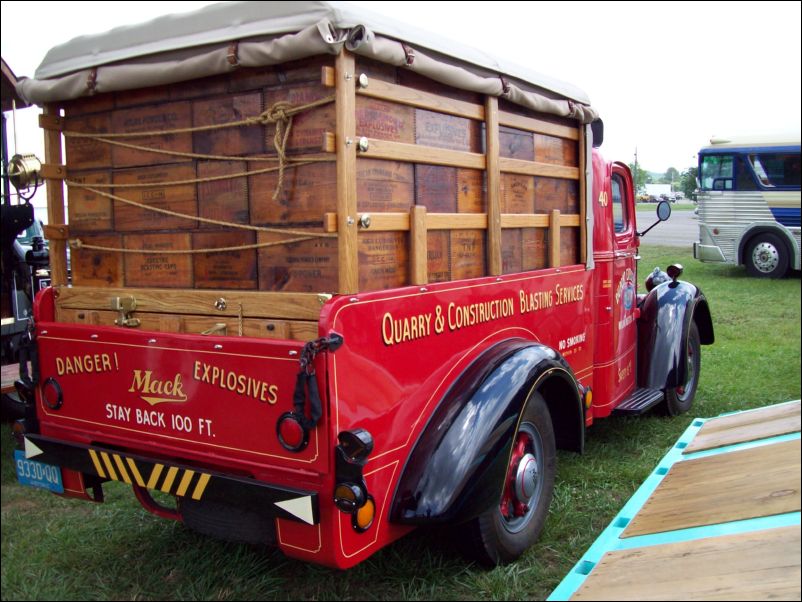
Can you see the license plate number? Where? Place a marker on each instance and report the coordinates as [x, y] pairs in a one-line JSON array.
[[36, 474]]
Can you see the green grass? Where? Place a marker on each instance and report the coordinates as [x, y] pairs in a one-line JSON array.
[[69, 550]]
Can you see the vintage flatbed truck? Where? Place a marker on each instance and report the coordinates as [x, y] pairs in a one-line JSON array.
[[333, 279]]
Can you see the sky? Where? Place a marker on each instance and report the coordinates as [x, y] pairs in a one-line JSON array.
[[664, 76]]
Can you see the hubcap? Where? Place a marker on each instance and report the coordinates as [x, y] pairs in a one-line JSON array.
[[526, 479], [765, 257], [524, 484]]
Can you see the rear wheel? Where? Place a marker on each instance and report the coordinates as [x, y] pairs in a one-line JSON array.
[[508, 529], [679, 399]]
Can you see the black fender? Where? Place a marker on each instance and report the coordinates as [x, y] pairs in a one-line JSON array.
[[665, 320], [457, 468]]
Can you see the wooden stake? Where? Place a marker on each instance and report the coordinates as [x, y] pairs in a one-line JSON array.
[[554, 239], [346, 173], [493, 146], [418, 240], [55, 198]]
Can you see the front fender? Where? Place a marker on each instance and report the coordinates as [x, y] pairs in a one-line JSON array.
[[666, 315], [456, 470]]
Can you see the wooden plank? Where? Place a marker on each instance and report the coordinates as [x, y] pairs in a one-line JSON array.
[[300, 330], [533, 168], [348, 250], [421, 99], [554, 239], [400, 222], [747, 426], [537, 220], [749, 483], [416, 153], [494, 265], [759, 565], [538, 126], [290, 306], [55, 201], [418, 240]]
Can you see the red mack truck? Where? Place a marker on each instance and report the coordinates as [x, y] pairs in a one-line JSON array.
[[332, 279]]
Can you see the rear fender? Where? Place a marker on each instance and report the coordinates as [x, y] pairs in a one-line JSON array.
[[457, 468], [666, 315]]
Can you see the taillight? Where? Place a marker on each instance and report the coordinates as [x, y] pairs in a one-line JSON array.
[[351, 493]]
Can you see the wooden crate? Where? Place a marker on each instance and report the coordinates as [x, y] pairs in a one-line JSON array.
[[426, 162]]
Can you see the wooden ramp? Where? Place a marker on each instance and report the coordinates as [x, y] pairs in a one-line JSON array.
[[718, 519]]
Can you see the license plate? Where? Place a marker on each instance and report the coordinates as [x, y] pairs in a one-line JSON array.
[[36, 474]]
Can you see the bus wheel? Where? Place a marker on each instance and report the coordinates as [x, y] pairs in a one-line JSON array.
[[508, 529], [766, 256]]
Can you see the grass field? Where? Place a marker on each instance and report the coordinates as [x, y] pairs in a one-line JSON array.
[[57, 549]]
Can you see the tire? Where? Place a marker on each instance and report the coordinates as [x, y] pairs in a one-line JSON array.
[[766, 256], [500, 536], [680, 399]]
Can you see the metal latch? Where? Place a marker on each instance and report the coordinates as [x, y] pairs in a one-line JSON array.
[[125, 306], [219, 328]]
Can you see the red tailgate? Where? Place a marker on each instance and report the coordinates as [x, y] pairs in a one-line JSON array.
[[214, 399]]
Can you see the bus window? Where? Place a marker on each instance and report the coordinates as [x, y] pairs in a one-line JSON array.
[[744, 179], [717, 172], [776, 169]]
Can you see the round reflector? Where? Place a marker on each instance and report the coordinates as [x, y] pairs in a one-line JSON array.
[[291, 433], [52, 394]]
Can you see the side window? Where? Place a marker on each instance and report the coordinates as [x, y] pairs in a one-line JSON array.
[[717, 172], [776, 169], [619, 209], [744, 179]]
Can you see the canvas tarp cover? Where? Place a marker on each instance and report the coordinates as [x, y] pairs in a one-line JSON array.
[[227, 36]]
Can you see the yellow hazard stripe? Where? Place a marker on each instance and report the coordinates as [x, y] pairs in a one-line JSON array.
[[121, 469], [185, 481], [135, 472], [168, 480], [201, 486], [96, 462], [109, 466], [128, 471], [154, 476]]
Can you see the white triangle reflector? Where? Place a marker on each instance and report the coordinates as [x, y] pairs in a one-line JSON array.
[[31, 449], [300, 507]]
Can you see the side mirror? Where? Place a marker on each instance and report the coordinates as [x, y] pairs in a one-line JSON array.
[[663, 210], [663, 213]]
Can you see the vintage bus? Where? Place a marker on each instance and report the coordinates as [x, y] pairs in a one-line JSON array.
[[749, 204]]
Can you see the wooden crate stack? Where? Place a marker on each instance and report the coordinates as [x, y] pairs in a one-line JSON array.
[[425, 166]]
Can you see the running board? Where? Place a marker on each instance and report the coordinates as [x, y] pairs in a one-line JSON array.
[[639, 402]]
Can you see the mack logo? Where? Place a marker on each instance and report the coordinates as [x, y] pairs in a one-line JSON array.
[[156, 391]]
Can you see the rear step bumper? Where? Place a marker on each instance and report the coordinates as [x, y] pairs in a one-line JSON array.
[[180, 480], [640, 401]]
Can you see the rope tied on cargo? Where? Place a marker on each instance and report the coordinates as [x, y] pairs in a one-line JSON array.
[[299, 235], [279, 113]]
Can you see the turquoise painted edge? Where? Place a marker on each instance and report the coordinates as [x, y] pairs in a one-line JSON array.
[[610, 539]]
